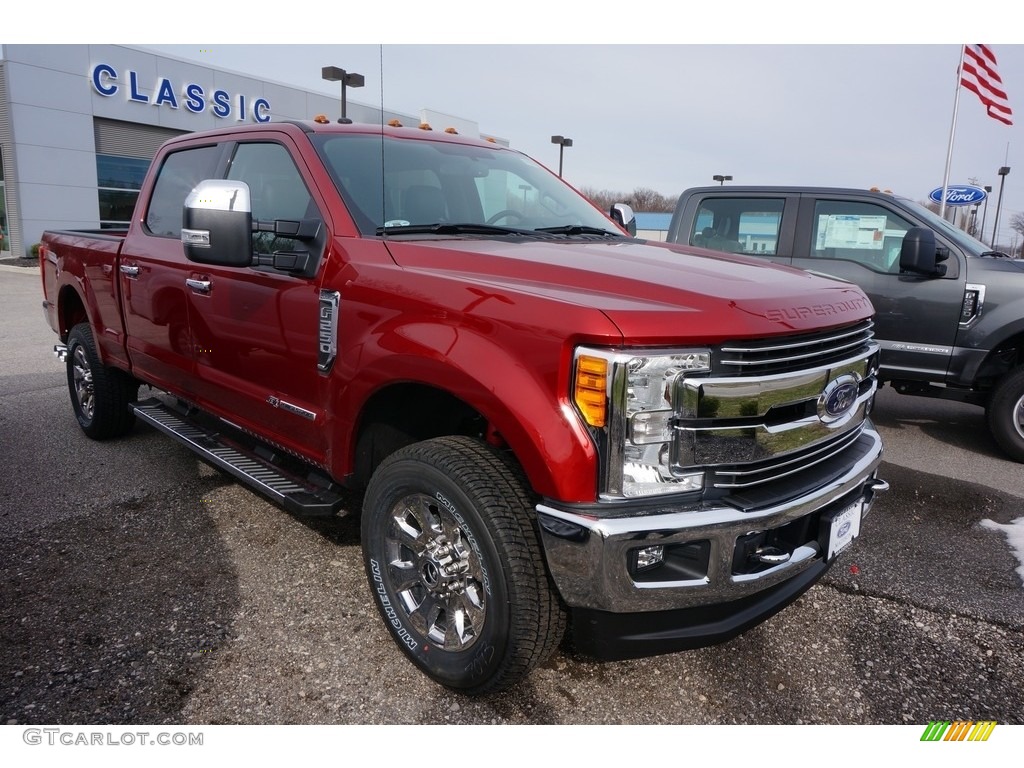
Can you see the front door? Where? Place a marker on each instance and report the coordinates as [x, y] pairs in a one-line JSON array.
[[255, 329], [916, 318]]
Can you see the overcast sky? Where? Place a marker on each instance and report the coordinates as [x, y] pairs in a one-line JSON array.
[[864, 109]]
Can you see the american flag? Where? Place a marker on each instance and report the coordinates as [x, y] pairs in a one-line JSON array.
[[978, 73]]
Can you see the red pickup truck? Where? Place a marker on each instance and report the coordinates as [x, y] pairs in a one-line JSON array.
[[548, 416]]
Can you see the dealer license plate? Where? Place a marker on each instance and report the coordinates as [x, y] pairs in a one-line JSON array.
[[845, 528]]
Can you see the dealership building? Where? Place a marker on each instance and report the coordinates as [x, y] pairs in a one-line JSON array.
[[79, 125]]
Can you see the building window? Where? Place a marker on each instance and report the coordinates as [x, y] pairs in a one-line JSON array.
[[120, 179]]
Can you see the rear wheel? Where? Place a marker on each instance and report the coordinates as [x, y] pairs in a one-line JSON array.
[[455, 566], [1006, 414], [99, 395]]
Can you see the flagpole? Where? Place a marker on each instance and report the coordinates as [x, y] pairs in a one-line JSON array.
[[952, 131]]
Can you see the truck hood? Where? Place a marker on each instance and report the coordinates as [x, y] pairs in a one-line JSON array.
[[652, 292]]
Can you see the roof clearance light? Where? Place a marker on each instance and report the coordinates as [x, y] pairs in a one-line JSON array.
[[321, 119], [425, 127], [590, 390], [395, 123], [451, 130]]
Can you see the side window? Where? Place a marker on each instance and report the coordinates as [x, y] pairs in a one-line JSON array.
[[180, 172], [276, 188], [865, 233], [738, 225]]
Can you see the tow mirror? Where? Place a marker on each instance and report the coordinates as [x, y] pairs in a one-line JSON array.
[[217, 224], [623, 215], [921, 255]]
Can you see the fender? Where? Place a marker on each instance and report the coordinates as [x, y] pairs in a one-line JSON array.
[[87, 267], [529, 407], [998, 324]]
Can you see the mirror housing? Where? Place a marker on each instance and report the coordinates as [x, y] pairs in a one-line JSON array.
[[921, 255], [623, 215], [217, 224]]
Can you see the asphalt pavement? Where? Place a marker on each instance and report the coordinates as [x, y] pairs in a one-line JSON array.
[[141, 586]]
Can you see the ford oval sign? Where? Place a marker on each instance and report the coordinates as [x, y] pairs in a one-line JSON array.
[[838, 399], [959, 194]]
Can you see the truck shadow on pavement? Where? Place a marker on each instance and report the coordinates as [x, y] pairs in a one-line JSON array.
[[106, 618]]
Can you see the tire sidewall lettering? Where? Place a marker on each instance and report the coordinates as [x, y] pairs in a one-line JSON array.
[[385, 603]]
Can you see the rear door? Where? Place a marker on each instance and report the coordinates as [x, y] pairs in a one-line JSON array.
[[859, 240], [153, 270], [739, 221]]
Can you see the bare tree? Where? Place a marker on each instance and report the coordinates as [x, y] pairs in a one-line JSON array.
[[641, 199], [1017, 223]]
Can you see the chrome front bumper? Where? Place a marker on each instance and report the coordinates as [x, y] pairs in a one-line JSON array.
[[589, 556]]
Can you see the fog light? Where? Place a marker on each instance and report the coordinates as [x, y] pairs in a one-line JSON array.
[[648, 557]]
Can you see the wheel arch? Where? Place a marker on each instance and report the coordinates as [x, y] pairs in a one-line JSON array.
[[513, 412]]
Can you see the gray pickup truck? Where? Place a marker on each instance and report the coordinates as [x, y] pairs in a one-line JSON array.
[[949, 310]]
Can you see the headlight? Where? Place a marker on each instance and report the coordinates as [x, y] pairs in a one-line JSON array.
[[627, 401]]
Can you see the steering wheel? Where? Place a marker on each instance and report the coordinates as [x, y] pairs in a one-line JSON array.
[[502, 214]]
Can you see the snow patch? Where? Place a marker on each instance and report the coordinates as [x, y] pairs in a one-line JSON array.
[[1014, 531]]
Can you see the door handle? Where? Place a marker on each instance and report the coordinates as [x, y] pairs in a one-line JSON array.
[[131, 271], [199, 286]]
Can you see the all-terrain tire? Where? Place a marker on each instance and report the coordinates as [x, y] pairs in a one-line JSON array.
[[455, 566], [99, 395]]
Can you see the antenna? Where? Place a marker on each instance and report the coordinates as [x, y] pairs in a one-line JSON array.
[[383, 192]]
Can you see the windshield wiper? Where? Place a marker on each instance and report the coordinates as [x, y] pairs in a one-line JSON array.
[[451, 229], [997, 254], [578, 229]]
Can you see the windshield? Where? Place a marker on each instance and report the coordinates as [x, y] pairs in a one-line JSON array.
[[969, 244], [416, 184]]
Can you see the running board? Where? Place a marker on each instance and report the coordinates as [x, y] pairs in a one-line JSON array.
[[298, 496]]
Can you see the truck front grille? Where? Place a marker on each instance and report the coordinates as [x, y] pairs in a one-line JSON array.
[[778, 467], [792, 353]]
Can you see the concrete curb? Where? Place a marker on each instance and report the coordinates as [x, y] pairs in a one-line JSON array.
[[28, 270]]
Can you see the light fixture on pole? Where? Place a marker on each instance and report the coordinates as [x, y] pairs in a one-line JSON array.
[[721, 179], [1003, 172], [562, 142], [349, 79]]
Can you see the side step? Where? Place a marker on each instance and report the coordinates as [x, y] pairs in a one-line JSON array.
[[232, 454]]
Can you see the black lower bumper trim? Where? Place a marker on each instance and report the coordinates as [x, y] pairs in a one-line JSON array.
[[617, 636]]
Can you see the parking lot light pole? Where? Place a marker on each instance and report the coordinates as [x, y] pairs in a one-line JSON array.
[[1003, 172], [721, 179], [349, 79], [984, 212], [562, 142]]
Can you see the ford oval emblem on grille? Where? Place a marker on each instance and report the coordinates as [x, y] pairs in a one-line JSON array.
[[838, 399]]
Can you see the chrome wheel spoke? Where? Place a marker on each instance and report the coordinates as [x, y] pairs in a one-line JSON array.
[[465, 620], [404, 575]]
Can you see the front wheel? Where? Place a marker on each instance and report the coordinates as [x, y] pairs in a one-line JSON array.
[[99, 395], [1006, 414], [455, 566]]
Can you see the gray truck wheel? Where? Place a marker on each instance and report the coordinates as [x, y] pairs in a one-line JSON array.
[[99, 395], [1005, 413], [455, 566]]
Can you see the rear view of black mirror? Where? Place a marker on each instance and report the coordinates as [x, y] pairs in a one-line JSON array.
[[920, 254]]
